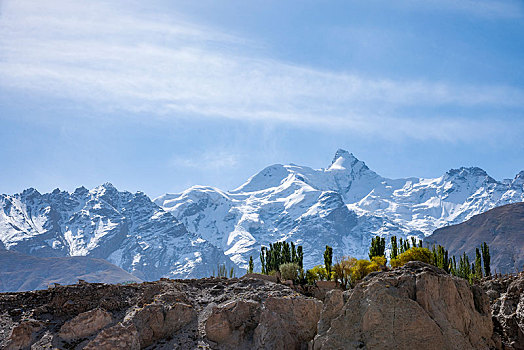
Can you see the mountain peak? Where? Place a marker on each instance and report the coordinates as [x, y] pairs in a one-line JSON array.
[[81, 190], [104, 188], [519, 179], [463, 173], [466, 171], [346, 160], [30, 192], [342, 153]]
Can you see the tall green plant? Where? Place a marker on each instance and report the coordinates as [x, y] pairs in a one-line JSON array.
[[378, 247], [251, 265], [328, 260], [486, 258], [394, 247]]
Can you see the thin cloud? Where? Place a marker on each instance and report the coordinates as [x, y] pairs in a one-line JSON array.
[[206, 161], [172, 68], [489, 9]]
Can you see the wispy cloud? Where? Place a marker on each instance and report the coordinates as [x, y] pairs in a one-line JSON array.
[[170, 67], [216, 160]]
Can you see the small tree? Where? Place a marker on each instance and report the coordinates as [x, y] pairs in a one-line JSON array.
[[464, 268], [300, 257], [394, 247], [317, 273], [342, 270], [251, 265], [486, 258], [363, 267], [378, 247], [221, 270], [478, 265], [328, 260]]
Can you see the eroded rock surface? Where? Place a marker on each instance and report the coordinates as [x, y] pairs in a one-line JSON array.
[[415, 307], [23, 335], [507, 306], [210, 313], [85, 324]]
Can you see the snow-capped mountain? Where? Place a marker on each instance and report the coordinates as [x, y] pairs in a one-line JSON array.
[[189, 234], [126, 229], [342, 206]]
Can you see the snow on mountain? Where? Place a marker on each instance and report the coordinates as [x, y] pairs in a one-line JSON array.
[[126, 229], [190, 233], [342, 206]]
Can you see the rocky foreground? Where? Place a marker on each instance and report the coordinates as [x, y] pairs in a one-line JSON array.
[[414, 307]]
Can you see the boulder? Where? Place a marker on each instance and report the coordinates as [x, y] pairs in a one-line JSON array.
[[233, 323], [156, 321], [85, 324], [119, 336], [416, 307], [287, 323], [23, 335], [277, 323]]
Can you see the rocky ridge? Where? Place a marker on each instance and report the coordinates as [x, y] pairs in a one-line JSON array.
[[416, 306], [20, 272], [502, 228], [168, 314]]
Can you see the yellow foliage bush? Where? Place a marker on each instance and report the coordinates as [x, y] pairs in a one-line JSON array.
[[363, 267], [317, 273], [342, 270], [412, 254]]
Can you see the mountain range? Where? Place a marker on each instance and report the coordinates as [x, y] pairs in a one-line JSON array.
[[189, 234], [20, 272]]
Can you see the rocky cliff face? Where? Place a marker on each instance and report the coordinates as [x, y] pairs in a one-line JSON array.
[[415, 307], [184, 314], [506, 295]]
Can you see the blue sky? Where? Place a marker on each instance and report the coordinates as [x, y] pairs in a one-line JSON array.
[[160, 95]]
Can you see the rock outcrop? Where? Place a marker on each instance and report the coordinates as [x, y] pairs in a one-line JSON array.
[[212, 313], [23, 335], [415, 307], [507, 307], [85, 324]]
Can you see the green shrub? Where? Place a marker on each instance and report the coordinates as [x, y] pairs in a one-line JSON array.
[[289, 271]]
